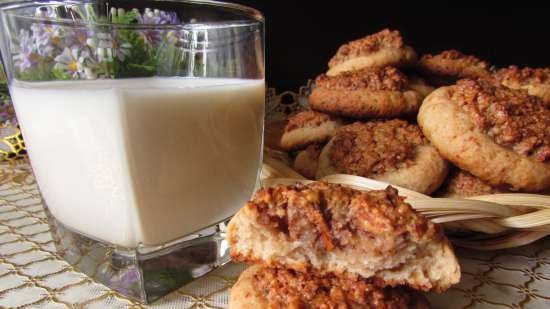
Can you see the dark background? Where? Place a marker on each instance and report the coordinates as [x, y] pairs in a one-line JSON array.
[[301, 36]]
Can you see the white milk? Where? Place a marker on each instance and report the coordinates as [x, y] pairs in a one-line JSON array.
[[143, 160]]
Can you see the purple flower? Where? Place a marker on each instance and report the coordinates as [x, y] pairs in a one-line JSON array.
[[148, 18], [126, 281], [26, 56], [73, 62], [168, 18], [78, 37], [79, 52], [46, 38], [158, 17]]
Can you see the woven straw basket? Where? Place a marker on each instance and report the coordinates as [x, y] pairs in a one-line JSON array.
[[488, 222]]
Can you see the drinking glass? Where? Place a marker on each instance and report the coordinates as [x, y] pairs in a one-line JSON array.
[[143, 121]]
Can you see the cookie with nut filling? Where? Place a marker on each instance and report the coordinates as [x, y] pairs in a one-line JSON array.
[[331, 230], [261, 287], [393, 151], [309, 127], [381, 49], [369, 93], [449, 66], [497, 134], [535, 80]]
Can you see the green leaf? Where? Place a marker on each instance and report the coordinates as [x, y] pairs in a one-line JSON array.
[[130, 17], [140, 62], [168, 59], [126, 19], [43, 71], [60, 75], [2, 73], [4, 91]]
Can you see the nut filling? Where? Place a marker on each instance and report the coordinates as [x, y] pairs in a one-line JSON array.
[[387, 78], [375, 147], [367, 45], [288, 289], [525, 76], [511, 118], [455, 63], [326, 217], [462, 183]]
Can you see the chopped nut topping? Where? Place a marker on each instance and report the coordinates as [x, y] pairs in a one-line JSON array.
[[464, 184], [511, 117], [367, 45], [375, 147], [387, 78], [525, 76], [287, 289], [454, 63], [327, 216]]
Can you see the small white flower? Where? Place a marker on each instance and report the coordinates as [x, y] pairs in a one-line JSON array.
[[107, 46], [103, 45], [73, 62], [121, 49]]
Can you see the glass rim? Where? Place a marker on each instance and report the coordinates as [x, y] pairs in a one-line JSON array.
[[254, 15]]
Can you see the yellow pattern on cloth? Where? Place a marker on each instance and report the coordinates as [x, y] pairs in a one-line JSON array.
[[12, 146]]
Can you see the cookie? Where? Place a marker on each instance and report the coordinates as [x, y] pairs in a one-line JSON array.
[[308, 127], [368, 93], [535, 80], [261, 287], [327, 229], [384, 48], [497, 134], [451, 65], [307, 161], [461, 184], [393, 151]]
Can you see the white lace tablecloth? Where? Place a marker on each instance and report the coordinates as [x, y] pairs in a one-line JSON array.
[[33, 276]]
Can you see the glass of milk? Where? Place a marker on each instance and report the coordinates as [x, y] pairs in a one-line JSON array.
[[143, 121]]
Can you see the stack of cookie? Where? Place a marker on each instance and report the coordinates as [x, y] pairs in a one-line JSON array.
[[369, 118], [493, 125], [322, 246], [362, 118]]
